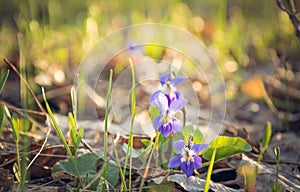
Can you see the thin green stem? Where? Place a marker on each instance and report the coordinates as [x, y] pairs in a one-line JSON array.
[[24, 102], [133, 105], [209, 172], [18, 154], [106, 122], [120, 169]]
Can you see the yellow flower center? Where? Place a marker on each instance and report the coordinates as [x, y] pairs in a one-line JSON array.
[[166, 118]]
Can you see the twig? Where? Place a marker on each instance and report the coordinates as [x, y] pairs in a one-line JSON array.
[[292, 15], [27, 85], [41, 149]]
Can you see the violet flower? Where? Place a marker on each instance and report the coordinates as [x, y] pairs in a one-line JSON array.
[[167, 121], [169, 87], [188, 159]]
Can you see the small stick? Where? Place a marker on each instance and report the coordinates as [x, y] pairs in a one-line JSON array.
[[27, 85]]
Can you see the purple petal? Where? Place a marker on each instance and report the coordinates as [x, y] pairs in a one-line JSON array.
[[156, 122], [178, 95], [169, 99], [174, 162], [153, 97], [198, 161], [177, 105], [180, 147], [196, 148], [165, 129], [164, 78], [161, 101], [177, 80], [188, 168], [176, 125]]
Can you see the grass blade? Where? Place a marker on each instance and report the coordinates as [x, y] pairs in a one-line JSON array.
[[3, 80], [74, 102], [210, 168], [106, 122], [133, 105]]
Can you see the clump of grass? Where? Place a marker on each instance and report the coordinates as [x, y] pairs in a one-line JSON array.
[[63, 139]]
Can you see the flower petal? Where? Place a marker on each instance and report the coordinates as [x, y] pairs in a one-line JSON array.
[[174, 162], [188, 168], [196, 148], [153, 97], [156, 122], [177, 125], [180, 147], [161, 101], [177, 80], [177, 105], [165, 129], [198, 161], [164, 78]]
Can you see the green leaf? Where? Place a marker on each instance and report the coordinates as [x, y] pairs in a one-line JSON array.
[[162, 140], [153, 112], [135, 153], [15, 124], [72, 129], [146, 142], [197, 134], [178, 136], [74, 102], [112, 174], [79, 136], [3, 80], [85, 163], [146, 152], [226, 147], [277, 154], [24, 125], [267, 136]]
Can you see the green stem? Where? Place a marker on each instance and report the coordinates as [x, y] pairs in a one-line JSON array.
[[106, 122], [120, 169], [210, 168], [133, 105]]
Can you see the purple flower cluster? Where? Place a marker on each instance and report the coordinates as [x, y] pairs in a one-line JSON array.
[[169, 102]]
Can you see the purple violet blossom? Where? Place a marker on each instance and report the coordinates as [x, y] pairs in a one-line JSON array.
[[169, 87], [167, 121], [188, 158]]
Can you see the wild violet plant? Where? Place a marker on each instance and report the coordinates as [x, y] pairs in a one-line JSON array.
[[170, 102]]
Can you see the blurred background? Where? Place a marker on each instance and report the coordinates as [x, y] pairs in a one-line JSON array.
[[253, 42]]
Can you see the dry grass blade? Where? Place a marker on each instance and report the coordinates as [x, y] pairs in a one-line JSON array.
[[27, 85]]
